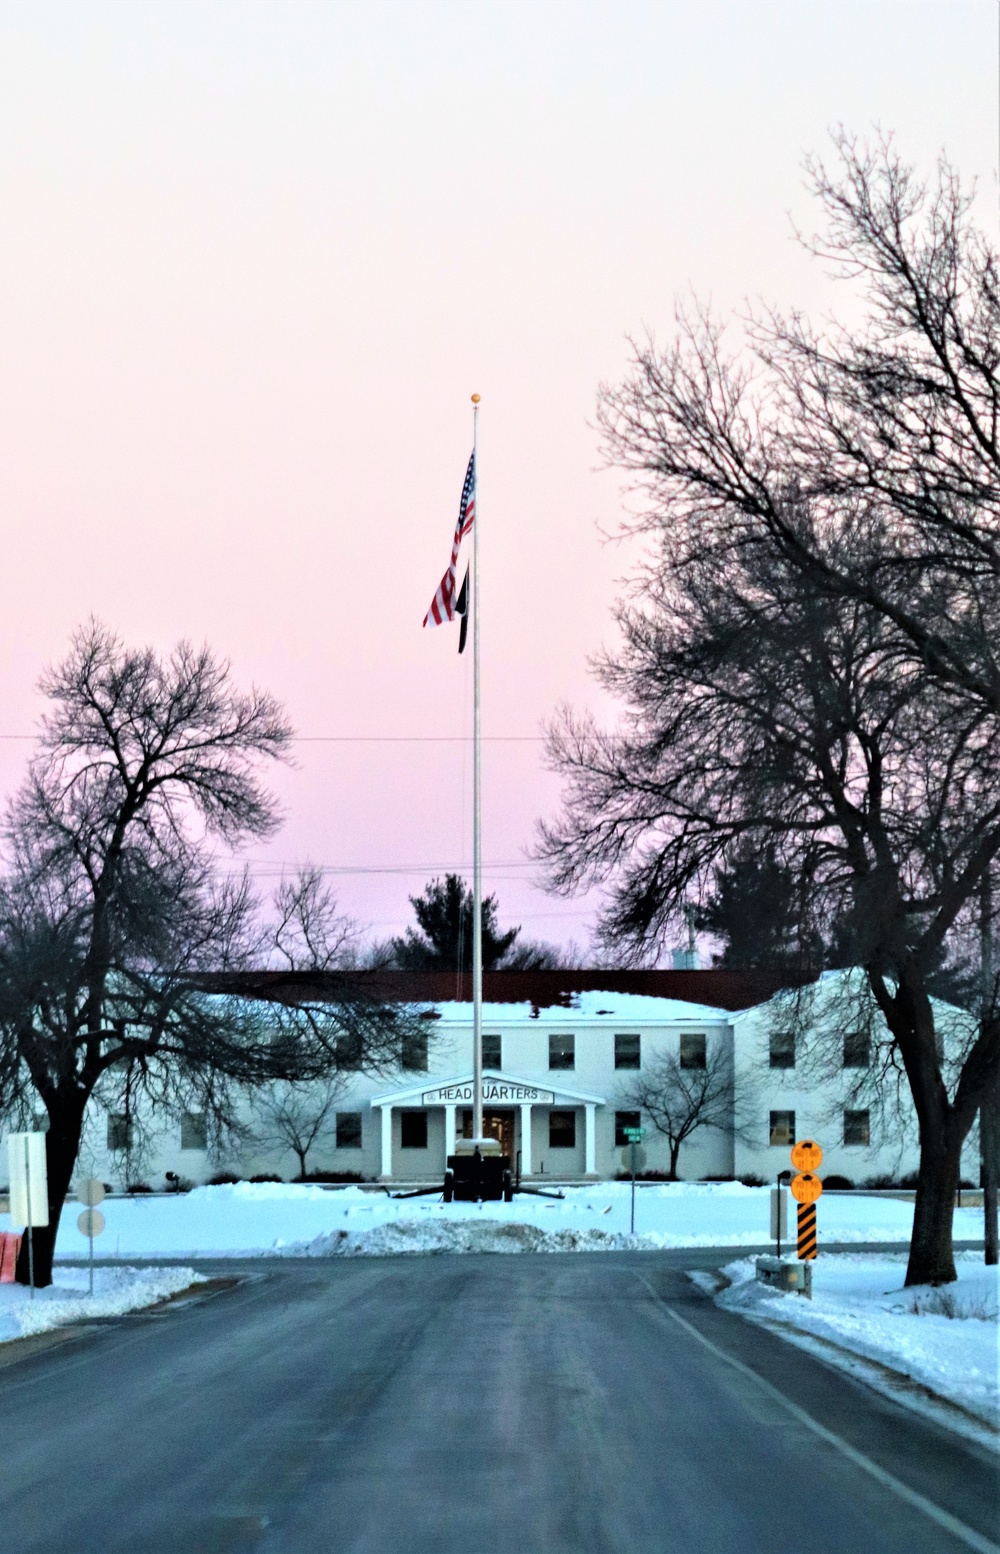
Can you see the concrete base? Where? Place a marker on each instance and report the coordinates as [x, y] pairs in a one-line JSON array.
[[784, 1275]]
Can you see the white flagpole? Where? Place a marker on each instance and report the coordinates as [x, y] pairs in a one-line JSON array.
[[477, 859]]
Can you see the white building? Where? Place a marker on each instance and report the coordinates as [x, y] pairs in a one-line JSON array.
[[559, 1055]]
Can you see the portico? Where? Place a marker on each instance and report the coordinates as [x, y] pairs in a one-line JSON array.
[[508, 1106]]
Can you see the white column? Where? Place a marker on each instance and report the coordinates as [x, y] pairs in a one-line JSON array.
[[449, 1131], [386, 1140], [526, 1140], [590, 1139]]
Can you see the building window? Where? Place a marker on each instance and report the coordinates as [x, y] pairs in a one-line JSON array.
[[781, 1046], [627, 1052], [782, 1129], [693, 1049], [348, 1130], [349, 1052], [492, 1051], [562, 1051], [625, 1120], [857, 1049], [194, 1130], [562, 1130], [414, 1054], [119, 1133], [856, 1128], [413, 1130]]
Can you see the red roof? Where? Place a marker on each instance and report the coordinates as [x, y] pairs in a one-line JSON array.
[[718, 989]]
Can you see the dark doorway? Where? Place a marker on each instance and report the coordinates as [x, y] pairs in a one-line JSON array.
[[496, 1125]]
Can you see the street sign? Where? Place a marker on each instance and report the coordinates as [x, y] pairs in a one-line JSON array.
[[633, 1157], [91, 1222], [29, 1187], [807, 1231], [807, 1155], [779, 1215], [806, 1188], [634, 1135]]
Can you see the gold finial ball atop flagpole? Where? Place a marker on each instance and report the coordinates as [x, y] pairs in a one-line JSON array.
[[475, 399]]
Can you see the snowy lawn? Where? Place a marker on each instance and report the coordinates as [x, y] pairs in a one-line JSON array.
[[253, 1219], [943, 1339], [116, 1290]]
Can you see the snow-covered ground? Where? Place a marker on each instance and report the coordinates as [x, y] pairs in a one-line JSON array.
[[861, 1317], [253, 1219], [67, 1298]]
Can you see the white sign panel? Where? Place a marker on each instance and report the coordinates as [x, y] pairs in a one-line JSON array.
[[496, 1092], [29, 1179]]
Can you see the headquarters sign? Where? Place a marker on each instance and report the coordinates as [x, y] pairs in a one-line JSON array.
[[497, 1092]]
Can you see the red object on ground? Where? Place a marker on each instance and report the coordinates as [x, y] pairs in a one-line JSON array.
[[10, 1245]]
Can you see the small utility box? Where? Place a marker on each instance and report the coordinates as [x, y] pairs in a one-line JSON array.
[[785, 1275]]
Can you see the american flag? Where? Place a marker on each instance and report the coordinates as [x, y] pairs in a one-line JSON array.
[[443, 605]]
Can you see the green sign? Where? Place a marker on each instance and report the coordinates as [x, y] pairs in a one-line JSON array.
[[634, 1135]]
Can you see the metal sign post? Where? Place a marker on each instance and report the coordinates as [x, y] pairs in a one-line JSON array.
[[91, 1222], [29, 1189], [634, 1158], [779, 1210], [806, 1190]]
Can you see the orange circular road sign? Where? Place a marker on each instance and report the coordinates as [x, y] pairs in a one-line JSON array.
[[807, 1155], [805, 1187]]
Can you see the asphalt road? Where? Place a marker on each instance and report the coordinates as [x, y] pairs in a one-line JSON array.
[[592, 1404]]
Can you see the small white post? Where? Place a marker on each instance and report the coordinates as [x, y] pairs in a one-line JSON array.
[[526, 1140], [590, 1139], [386, 1141], [449, 1131]]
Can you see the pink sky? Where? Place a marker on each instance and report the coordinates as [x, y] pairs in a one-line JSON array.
[[256, 258]]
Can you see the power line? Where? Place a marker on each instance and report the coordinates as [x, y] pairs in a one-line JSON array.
[[279, 866], [386, 739]]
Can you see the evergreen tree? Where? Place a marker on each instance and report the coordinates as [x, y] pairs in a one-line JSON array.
[[444, 939]]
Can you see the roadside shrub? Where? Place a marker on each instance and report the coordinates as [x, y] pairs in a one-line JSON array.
[[753, 1180], [726, 1177], [909, 1180], [329, 1176], [134, 1188], [646, 1176], [266, 1176], [224, 1179], [838, 1183], [880, 1183]]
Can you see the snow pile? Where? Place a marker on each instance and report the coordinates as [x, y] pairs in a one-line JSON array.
[[482, 1235], [67, 1298], [945, 1340], [255, 1218]]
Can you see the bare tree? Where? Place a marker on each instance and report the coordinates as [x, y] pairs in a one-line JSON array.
[[310, 931], [679, 1099], [854, 475], [763, 713], [114, 917], [295, 1116]]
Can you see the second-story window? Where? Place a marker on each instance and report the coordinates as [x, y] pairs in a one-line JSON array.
[[781, 1049], [627, 1052], [562, 1051], [492, 1050], [857, 1050], [693, 1049], [413, 1057]]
